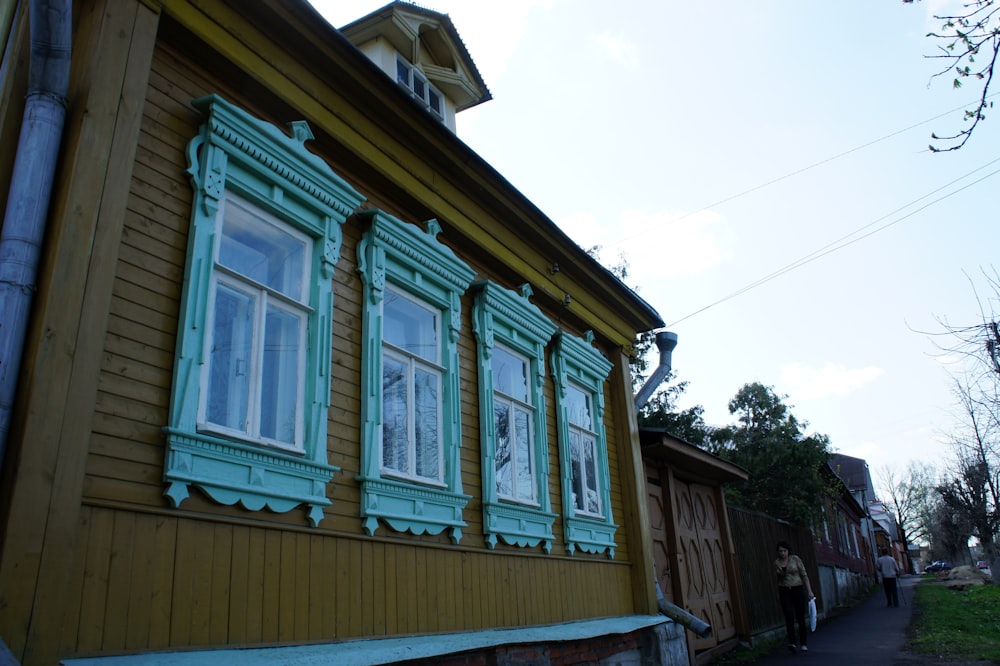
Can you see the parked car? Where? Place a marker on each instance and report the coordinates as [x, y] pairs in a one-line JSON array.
[[983, 564], [936, 566]]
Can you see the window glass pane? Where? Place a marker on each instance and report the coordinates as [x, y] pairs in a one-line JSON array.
[[402, 72], [434, 101], [419, 87], [229, 358], [578, 489], [578, 407], [394, 415], [522, 438], [590, 465], [504, 456], [280, 380], [426, 422], [510, 374], [261, 251], [410, 326]]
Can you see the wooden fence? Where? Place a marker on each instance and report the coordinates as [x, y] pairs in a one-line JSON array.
[[755, 536]]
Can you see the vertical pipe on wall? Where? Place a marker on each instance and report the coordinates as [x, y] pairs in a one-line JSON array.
[[31, 187]]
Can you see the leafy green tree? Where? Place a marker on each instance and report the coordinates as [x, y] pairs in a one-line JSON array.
[[968, 42], [783, 463], [661, 412]]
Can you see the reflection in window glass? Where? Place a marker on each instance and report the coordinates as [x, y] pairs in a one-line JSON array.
[[410, 326], [514, 466], [578, 406], [283, 332], [261, 251], [510, 374], [505, 452], [583, 450], [256, 344], [426, 418], [411, 388], [395, 424], [522, 450], [229, 358]]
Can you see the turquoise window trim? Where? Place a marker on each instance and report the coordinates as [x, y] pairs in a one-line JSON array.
[[393, 252], [575, 360], [235, 152], [509, 318]]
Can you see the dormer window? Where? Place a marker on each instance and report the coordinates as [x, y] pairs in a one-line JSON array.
[[422, 51], [414, 81]]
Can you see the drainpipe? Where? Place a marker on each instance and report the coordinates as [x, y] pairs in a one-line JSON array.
[[665, 342], [31, 187], [687, 620]]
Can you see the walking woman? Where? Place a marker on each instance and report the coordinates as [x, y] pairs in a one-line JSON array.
[[794, 591]]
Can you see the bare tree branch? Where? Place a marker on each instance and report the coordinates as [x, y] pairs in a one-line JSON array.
[[965, 37]]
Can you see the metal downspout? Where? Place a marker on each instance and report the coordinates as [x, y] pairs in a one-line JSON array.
[[50, 23], [665, 342]]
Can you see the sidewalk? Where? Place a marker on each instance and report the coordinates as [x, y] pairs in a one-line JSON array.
[[868, 633]]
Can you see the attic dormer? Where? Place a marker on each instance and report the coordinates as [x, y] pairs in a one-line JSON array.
[[421, 50]]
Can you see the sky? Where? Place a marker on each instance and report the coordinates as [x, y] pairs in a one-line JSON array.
[[763, 167]]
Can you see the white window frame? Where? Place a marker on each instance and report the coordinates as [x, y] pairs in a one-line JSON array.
[[413, 362], [414, 73], [264, 296], [514, 405], [587, 441]]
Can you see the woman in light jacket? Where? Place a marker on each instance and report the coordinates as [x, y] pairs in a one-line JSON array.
[[794, 591]]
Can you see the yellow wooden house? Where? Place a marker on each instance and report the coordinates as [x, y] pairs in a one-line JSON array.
[[302, 378]]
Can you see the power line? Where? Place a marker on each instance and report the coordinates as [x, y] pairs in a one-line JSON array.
[[843, 241], [795, 173]]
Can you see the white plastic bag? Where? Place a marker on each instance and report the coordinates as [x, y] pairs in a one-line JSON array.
[[812, 614]]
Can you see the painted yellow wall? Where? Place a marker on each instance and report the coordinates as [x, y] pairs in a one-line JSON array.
[[100, 562]]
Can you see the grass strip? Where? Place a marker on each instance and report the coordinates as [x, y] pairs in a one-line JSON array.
[[956, 624]]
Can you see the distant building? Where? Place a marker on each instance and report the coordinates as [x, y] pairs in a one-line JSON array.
[[856, 476], [843, 551]]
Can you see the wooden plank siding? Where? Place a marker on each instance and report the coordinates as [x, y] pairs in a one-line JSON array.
[[234, 588], [136, 574], [234, 582]]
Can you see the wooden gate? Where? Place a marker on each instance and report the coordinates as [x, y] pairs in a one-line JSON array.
[[660, 531], [701, 568], [692, 544], [688, 552]]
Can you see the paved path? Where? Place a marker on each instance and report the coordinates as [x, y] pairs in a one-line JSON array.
[[869, 633]]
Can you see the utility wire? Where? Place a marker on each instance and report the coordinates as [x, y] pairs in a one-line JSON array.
[[842, 242], [796, 172]]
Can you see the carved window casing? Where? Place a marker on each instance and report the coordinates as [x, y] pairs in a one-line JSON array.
[[580, 371], [251, 387], [512, 334], [410, 476]]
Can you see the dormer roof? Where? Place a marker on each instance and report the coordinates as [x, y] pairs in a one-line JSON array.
[[429, 40]]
